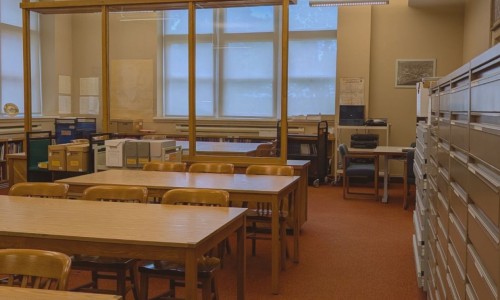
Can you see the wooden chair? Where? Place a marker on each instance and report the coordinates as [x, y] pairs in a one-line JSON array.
[[263, 212], [224, 168], [353, 166], [39, 189], [38, 269], [111, 267], [166, 166], [175, 271]]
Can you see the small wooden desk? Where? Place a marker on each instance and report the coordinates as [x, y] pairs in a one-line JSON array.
[[153, 232], [16, 293], [241, 187], [387, 152]]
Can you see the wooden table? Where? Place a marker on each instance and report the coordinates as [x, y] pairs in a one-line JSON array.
[[152, 231], [16, 293], [221, 148], [387, 152], [241, 187]]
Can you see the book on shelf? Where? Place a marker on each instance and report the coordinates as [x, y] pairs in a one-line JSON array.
[[305, 149]]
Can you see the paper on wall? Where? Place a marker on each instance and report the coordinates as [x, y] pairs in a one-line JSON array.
[[64, 84], [64, 104], [89, 86], [89, 105]]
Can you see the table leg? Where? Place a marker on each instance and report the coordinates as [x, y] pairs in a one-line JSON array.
[[191, 274], [241, 261], [275, 248], [296, 226], [386, 178]]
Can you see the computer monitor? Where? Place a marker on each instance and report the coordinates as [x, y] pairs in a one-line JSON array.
[[352, 115]]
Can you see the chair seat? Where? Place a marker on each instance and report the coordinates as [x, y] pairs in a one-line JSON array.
[[360, 170], [206, 267], [82, 261]]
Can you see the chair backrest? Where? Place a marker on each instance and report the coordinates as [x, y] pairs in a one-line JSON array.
[[39, 189], [224, 168], [166, 166], [39, 269], [270, 170], [114, 193], [197, 197]]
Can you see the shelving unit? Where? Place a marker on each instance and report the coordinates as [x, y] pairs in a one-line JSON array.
[[68, 129], [312, 148], [340, 130], [8, 146]]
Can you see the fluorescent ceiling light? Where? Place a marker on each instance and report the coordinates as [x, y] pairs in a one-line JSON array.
[[317, 3]]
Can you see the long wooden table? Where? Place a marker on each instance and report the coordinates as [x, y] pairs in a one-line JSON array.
[[143, 231], [241, 187], [16, 293], [221, 148]]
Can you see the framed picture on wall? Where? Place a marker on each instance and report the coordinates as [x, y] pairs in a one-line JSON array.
[[411, 71], [495, 21]]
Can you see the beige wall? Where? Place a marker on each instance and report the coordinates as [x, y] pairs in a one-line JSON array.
[[476, 29]]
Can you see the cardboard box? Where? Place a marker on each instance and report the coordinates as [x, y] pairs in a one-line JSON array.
[[136, 153], [77, 158], [57, 157], [125, 125], [114, 152], [156, 148]]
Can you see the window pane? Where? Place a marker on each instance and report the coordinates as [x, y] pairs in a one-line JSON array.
[[248, 79], [312, 67], [303, 17], [249, 19], [11, 63], [11, 13], [176, 21], [176, 83]]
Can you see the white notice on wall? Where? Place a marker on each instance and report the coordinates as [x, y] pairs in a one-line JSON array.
[[89, 86], [64, 84], [64, 104], [352, 91], [89, 105]]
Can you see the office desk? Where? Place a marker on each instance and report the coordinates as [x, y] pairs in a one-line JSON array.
[[153, 232], [387, 152], [16, 293], [241, 187]]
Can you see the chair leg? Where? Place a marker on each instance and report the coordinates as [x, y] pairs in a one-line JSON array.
[[283, 245], [215, 288], [133, 281], [172, 288], [121, 283], [144, 286], [206, 289], [254, 242]]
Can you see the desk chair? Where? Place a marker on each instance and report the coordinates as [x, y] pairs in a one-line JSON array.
[[39, 189], [166, 166], [38, 269], [263, 213], [101, 267], [175, 271], [351, 168], [408, 176], [223, 168]]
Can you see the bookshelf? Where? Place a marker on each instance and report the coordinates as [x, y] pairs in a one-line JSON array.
[[8, 146], [312, 147]]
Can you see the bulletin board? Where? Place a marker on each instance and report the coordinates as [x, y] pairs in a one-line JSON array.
[[132, 88]]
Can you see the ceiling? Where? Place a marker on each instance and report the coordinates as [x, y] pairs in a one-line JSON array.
[[434, 3]]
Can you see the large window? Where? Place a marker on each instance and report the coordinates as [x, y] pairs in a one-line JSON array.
[[11, 57], [238, 62]]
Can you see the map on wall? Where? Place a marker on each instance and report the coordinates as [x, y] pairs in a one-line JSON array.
[[131, 88], [411, 71]]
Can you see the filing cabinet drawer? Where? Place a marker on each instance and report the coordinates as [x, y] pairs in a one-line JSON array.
[[432, 220], [444, 129], [484, 236], [435, 101], [459, 135], [443, 156], [458, 204], [432, 167], [443, 182], [482, 142], [470, 294], [483, 191], [458, 240], [459, 98], [482, 286], [484, 94], [451, 288], [444, 101], [458, 168], [421, 148], [441, 285], [423, 133], [442, 238], [457, 273], [442, 209]]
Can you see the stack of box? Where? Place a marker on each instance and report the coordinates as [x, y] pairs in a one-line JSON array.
[[71, 157]]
